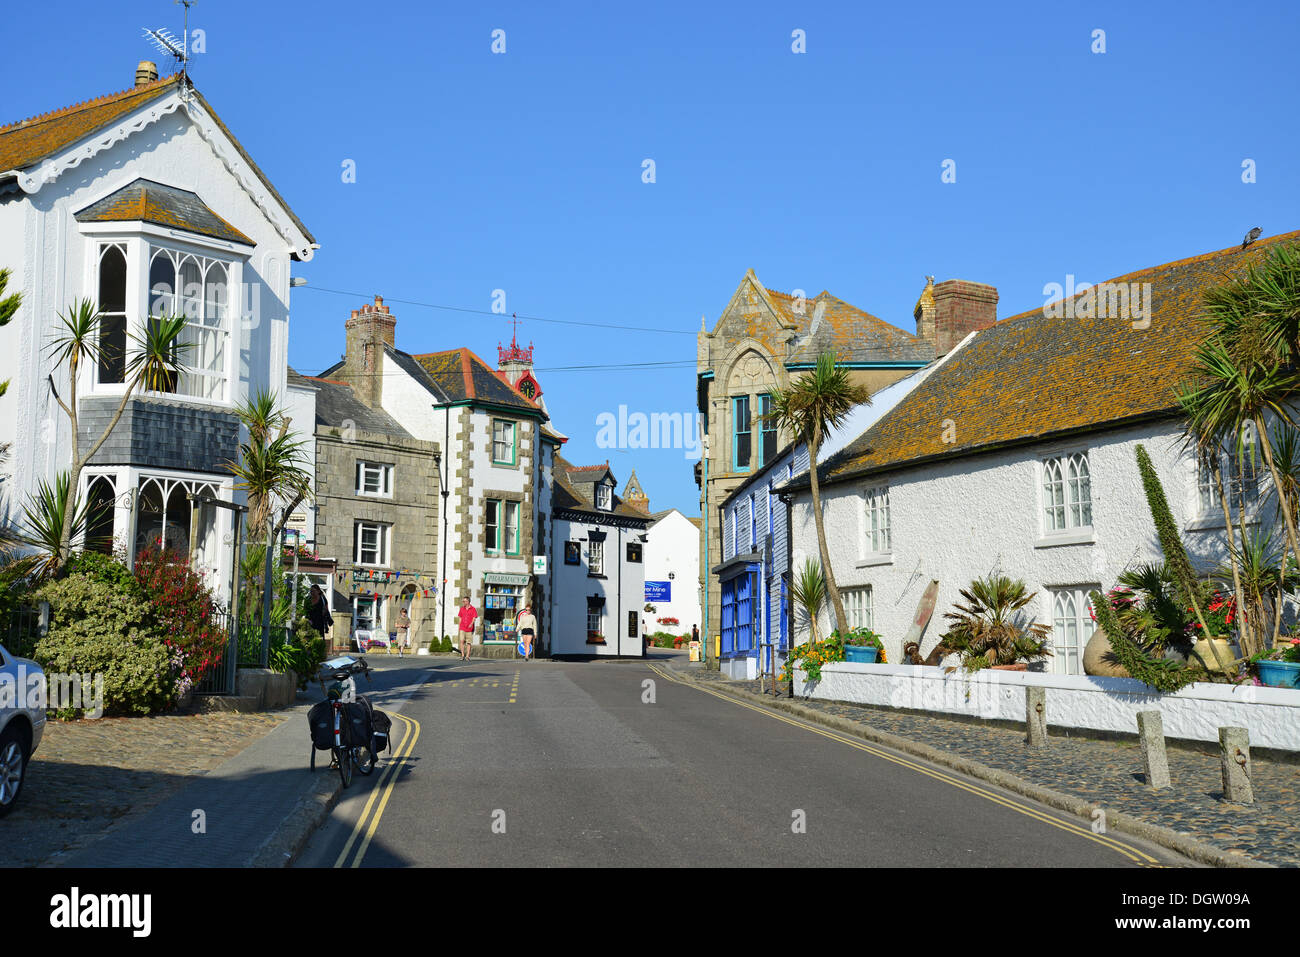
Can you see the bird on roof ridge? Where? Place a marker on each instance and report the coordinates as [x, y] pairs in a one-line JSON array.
[[1251, 236]]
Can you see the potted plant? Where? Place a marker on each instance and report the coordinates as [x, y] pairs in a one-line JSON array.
[[988, 630], [862, 645], [1280, 668]]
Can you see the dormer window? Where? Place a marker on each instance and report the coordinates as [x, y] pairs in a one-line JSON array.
[[604, 497]]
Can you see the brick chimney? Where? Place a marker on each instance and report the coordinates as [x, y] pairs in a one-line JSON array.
[[366, 332], [924, 312], [960, 307], [145, 72]]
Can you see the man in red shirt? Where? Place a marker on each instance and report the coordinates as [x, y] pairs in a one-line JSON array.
[[466, 615]]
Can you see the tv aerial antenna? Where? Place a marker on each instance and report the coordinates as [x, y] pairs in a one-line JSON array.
[[168, 44]]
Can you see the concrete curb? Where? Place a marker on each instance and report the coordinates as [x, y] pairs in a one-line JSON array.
[[309, 813], [1189, 847]]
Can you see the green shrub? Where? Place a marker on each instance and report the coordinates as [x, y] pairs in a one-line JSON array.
[[446, 644], [304, 654], [97, 629]]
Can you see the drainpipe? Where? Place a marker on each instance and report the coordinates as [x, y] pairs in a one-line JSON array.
[[442, 593]]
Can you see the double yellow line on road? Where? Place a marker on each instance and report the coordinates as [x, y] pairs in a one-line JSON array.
[[1132, 853], [383, 790]]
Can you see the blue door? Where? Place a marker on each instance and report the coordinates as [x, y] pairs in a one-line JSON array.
[[785, 609], [728, 630]]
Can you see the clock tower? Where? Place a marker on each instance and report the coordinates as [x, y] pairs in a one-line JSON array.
[[516, 365]]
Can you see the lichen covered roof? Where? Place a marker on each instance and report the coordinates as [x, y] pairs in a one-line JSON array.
[[1051, 371], [462, 375], [29, 141], [149, 202]]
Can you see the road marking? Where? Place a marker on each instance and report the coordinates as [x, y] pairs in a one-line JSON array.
[[1125, 849], [514, 688], [385, 788]]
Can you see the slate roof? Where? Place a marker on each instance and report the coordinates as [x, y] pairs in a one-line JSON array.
[[336, 404], [1034, 376], [853, 334], [149, 202], [573, 497], [28, 142], [464, 376]]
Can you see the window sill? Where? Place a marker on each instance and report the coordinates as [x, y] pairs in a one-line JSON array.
[[1083, 536], [597, 575], [876, 558], [1215, 523]]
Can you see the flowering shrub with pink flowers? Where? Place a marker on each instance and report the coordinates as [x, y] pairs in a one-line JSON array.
[[186, 612]]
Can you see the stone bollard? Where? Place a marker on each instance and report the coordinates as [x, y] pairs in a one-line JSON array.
[[1151, 735], [1036, 717], [1234, 756]]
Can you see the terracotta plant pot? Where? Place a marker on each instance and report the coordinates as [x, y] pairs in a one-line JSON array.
[[1099, 658], [1018, 666]]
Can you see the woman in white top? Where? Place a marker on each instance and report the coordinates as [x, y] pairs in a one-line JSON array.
[[527, 625]]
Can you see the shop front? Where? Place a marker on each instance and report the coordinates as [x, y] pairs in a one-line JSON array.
[[504, 594]]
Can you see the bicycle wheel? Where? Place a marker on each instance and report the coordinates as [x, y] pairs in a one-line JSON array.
[[343, 756], [364, 759]]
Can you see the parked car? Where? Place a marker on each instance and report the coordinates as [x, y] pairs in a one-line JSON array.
[[22, 722]]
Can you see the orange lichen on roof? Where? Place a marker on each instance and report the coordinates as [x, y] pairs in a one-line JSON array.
[[29, 141], [1050, 372]]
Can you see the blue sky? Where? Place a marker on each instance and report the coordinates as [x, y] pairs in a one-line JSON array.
[[523, 171]]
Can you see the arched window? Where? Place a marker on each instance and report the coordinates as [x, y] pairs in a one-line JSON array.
[[101, 499], [112, 314]]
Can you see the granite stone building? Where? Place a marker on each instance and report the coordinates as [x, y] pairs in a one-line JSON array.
[[766, 339], [376, 514]]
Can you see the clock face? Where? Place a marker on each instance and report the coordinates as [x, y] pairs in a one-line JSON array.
[[528, 387]]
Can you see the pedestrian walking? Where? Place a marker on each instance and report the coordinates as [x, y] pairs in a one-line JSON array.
[[527, 625], [466, 616], [403, 632]]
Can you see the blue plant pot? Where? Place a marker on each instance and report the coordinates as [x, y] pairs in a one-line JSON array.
[[863, 654], [1280, 674]]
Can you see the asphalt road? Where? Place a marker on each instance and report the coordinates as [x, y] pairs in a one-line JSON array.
[[503, 763]]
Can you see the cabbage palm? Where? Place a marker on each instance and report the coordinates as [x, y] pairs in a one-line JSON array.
[[44, 521], [272, 463], [153, 364], [815, 404], [809, 592]]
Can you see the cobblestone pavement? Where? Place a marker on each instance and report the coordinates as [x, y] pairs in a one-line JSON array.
[[1110, 773], [89, 775]]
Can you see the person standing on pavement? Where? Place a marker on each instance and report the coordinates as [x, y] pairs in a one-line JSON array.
[[466, 616], [318, 611], [403, 632], [527, 625]]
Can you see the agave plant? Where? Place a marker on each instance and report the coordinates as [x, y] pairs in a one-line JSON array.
[[989, 629]]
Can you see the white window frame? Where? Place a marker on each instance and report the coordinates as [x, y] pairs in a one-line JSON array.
[[1065, 503], [859, 608], [383, 472], [595, 558], [140, 243], [512, 441], [1248, 479], [1072, 626], [876, 536], [604, 496], [381, 546]]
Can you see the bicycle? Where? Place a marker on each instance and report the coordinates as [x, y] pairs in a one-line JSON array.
[[338, 732]]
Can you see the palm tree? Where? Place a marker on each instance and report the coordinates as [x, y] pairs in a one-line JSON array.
[[153, 365], [814, 405], [988, 630], [45, 519], [272, 464], [8, 306]]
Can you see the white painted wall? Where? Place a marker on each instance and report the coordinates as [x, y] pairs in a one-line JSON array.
[[1270, 715], [673, 547], [300, 404], [959, 520], [623, 588]]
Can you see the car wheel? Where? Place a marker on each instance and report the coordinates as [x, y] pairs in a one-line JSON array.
[[13, 764]]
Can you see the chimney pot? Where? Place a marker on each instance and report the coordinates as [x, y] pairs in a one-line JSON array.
[[146, 71]]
